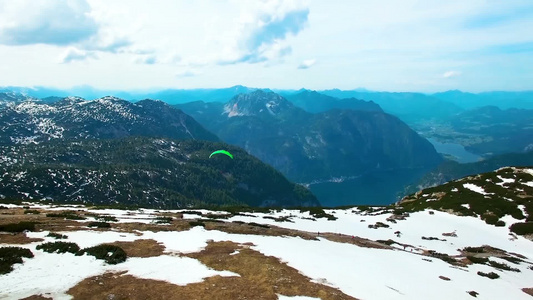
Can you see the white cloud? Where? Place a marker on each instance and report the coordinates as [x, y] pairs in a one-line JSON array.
[[74, 54], [450, 74], [306, 64], [380, 45], [26, 22], [188, 73], [146, 59]]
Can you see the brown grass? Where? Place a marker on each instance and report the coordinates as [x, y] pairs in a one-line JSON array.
[[262, 277], [141, 248], [17, 238], [528, 291], [176, 225], [36, 297]]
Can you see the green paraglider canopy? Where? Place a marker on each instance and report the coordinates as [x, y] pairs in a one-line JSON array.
[[221, 152]]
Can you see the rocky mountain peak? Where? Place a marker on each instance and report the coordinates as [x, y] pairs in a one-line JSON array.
[[257, 103]]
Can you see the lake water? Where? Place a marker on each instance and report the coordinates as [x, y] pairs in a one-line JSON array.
[[374, 188], [455, 150]]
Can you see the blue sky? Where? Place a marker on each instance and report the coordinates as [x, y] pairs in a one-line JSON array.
[[386, 45]]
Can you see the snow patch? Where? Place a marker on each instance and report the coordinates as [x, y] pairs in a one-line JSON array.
[[475, 188]]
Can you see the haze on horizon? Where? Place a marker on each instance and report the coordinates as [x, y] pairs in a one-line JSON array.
[[424, 46]]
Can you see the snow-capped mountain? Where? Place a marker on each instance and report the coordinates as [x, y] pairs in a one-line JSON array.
[[34, 121]]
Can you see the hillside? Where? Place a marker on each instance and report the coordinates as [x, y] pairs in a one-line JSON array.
[[33, 121], [451, 170], [503, 198], [397, 253], [144, 172]]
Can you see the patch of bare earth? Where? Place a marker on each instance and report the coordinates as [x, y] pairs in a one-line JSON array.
[[528, 291], [176, 225], [141, 248], [43, 222], [244, 228], [17, 239], [261, 278], [36, 297]]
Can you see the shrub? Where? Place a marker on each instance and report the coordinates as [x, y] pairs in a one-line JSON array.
[[378, 225], [259, 225], [32, 211], [386, 242], [18, 227], [490, 275], [474, 249], [514, 260], [163, 220], [500, 223], [10, 256], [502, 266], [66, 215], [107, 218], [56, 235], [196, 223], [99, 224], [478, 260], [3, 207], [318, 212], [522, 228], [443, 256], [59, 247], [490, 219], [473, 293], [192, 212], [110, 253]]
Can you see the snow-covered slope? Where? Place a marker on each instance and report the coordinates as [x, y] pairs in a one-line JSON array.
[[35, 121], [328, 252]]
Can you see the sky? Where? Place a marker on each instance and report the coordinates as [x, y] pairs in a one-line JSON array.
[[382, 45]]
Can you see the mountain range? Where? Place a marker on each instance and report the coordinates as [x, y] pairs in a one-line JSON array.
[[343, 145], [33, 121], [336, 145], [306, 146]]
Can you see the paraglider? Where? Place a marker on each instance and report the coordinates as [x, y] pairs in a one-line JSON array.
[[221, 152]]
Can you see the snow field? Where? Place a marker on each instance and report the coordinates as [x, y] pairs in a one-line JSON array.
[[364, 273]]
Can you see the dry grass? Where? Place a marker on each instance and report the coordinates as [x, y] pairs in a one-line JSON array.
[[17, 239], [264, 273], [528, 291], [262, 277], [36, 297], [141, 248], [237, 228], [176, 225]]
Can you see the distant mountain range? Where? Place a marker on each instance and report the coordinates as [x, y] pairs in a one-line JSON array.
[[502, 100], [392, 102], [315, 102]]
